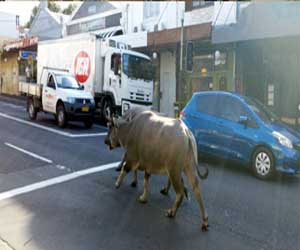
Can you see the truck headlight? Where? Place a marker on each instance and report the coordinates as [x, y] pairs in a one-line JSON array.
[[283, 140], [71, 100], [125, 107]]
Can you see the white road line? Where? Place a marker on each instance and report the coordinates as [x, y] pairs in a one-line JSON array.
[[99, 126], [28, 153], [50, 129], [54, 181]]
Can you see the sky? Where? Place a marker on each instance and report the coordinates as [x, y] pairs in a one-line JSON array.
[[24, 8]]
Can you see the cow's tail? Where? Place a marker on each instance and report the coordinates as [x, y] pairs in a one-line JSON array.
[[193, 146]]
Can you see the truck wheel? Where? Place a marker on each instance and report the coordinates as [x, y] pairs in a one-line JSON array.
[[263, 164], [88, 123], [107, 110], [61, 116], [32, 110]]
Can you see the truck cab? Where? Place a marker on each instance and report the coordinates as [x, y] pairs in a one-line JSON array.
[[128, 81]]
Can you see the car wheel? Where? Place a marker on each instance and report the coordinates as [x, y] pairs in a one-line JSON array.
[[107, 110], [88, 123], [61, 116], [32, 110], [263, 163]]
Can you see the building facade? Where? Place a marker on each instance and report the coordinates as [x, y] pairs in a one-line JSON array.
[[265, 38], [8, 31], [16, 56], [97, 17]]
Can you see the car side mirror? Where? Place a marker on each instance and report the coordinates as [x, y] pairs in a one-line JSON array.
[[244, 120], [81, 87]]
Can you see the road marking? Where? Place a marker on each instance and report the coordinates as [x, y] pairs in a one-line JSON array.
[[55, 180], [99, 126], [51, 129], [28, 152]]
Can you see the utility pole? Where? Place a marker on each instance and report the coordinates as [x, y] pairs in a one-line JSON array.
[[181, 43]]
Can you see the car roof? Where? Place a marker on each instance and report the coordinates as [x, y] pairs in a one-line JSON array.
[[224, 93]]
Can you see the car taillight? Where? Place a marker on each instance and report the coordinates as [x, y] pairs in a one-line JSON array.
[[182, 114]]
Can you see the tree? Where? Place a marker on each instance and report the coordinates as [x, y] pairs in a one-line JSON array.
[[69, 10], [53, 6]]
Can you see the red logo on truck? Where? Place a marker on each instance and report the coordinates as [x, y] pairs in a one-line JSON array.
[[82, 66]]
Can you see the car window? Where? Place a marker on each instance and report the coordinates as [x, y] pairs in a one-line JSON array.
[[51, 83], [207, 104], [231, 109]]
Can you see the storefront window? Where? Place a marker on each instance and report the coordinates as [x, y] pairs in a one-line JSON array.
[[27, 72]]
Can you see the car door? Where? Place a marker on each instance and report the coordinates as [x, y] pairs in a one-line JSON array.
[[236, 137], [203, 122], [49, 95]]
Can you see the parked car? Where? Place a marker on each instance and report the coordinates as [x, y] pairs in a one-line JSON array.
[[242, 129]]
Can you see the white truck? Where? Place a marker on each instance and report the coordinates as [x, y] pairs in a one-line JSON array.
[[117, 77], [58, 92]]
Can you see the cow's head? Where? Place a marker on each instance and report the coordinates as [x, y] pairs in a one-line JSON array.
[[112, 138]]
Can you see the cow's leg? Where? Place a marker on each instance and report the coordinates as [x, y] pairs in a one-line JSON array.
[[119, 168], [165, 190], [134, 182], [194, 182], [124, 171], [178, 186], [144, 197]]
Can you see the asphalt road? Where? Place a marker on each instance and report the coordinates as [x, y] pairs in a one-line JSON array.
[[49, 201]]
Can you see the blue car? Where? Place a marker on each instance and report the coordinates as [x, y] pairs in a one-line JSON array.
[[242, 129]]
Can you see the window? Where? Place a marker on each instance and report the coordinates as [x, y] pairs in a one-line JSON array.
[[92, 9], [51, 83], [151, 9], [207, 104], [115, 64], [231, 109], [191, 5]]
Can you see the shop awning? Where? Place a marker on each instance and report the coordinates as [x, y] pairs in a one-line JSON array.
[[171, 36]]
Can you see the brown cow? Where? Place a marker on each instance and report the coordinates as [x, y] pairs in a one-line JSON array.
[[129, 116], [159, 145]]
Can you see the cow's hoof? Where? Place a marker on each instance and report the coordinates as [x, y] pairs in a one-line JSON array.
[[164, 191], [117, 185], [133, 184], [118, 169], [204, 227], [170, 213], [142, 199]]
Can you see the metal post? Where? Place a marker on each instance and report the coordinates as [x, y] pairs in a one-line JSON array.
[[181, 44]]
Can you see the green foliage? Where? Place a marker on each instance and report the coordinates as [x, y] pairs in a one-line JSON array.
[[53, 6], [69, 10]]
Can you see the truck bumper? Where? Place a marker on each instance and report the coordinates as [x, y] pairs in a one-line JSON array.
[[79, 112]]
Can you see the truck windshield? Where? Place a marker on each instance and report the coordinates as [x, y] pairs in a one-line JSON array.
[[137, 67], [66, 82]]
